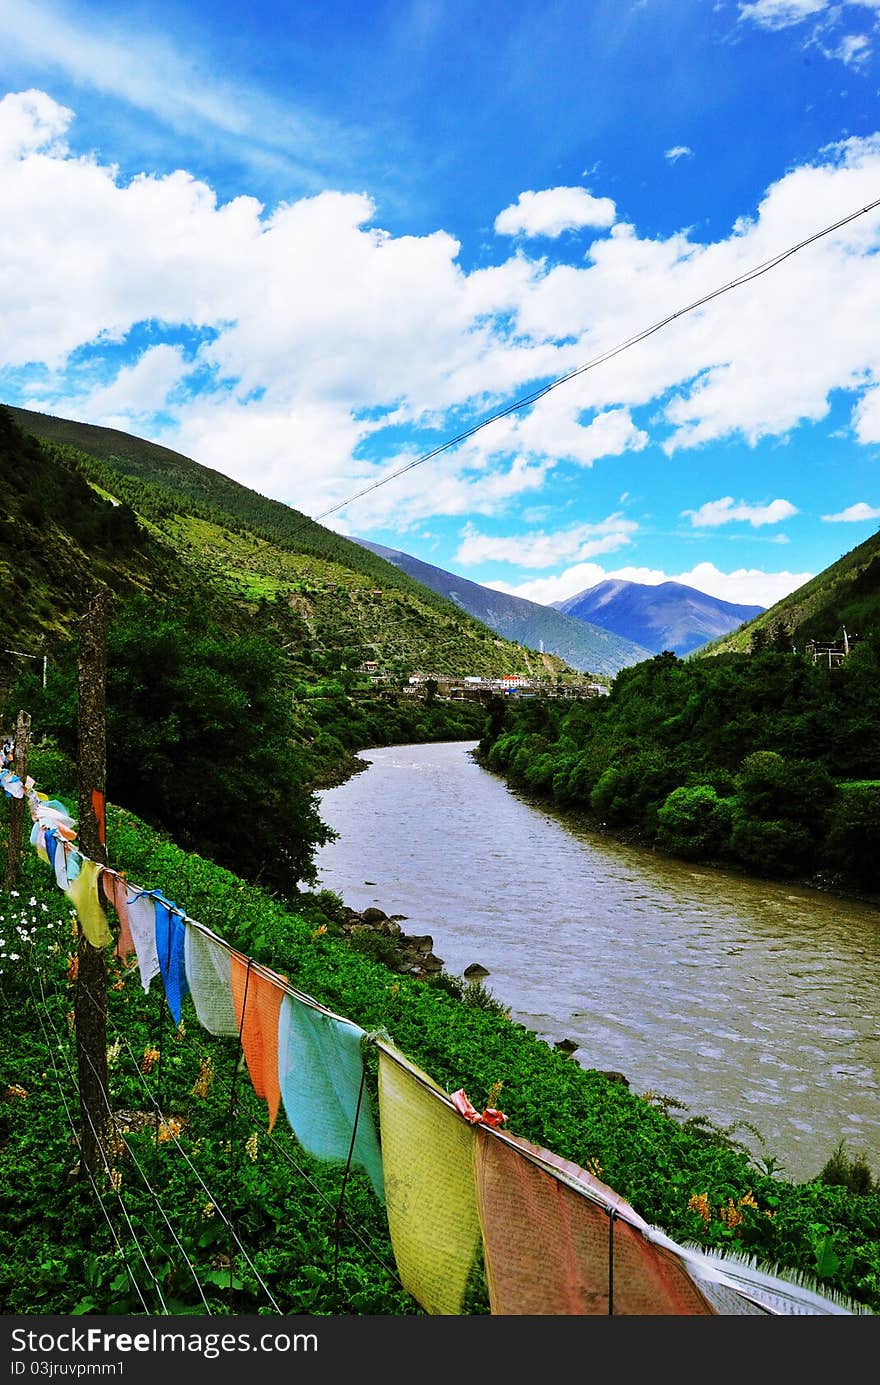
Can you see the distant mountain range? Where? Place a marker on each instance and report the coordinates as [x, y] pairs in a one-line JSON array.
[[592, 648], [667, 616]]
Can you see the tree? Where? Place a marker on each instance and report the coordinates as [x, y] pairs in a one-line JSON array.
[[200, 740]]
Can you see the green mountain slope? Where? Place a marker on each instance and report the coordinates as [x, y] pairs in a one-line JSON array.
[[845, 594], [189, 528], [580, 643]]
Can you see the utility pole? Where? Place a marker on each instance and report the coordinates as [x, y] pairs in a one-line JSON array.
[[16, 806], [90, 1010]]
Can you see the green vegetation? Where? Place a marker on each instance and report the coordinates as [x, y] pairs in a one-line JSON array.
[[210, 1168], [238, 630], [763, 761], [137, 517], [846, 594]]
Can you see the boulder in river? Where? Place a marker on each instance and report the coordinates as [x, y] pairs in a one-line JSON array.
[[373, 916], [475, 972]]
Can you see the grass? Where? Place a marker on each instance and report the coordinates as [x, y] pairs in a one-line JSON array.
[[689, 1178]]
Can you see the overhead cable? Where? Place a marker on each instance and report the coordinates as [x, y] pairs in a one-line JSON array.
[[539, 393]]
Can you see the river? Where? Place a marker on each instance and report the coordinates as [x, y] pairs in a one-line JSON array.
[[741, 999]]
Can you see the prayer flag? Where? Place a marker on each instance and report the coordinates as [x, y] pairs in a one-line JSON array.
[[209, 974], [257, 1006], [558, 1241], [83, 895], [321, 1072], [428, 1162]]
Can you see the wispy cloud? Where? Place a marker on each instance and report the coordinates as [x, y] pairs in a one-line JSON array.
[[726, 511], [854, 514], [853, 49], [679, 151], [147, 70], [781, 14]]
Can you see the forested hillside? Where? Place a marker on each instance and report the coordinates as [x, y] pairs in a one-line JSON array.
[[196, 530], [767, 761], [234, 678], [845, 594]]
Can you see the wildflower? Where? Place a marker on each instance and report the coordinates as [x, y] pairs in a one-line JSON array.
[[204, 1080], [116, 1179], [699, 1203], [748, 1200], [15, 1092], [251, 1146], [731, 1214], [150, 1059], [594, 1167], [494, 1093], [113, 1050], [170, 1129], [72, 967], [319, 932], [208, 1210]]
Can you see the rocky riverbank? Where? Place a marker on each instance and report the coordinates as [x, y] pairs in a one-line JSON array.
[[382, 937]]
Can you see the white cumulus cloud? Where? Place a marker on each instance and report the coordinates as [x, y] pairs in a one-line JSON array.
[[854, 514], [536, 550], [311, 329], [554, 210], [725, 511]]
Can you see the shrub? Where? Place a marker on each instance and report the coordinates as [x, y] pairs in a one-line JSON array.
[[771, 848], [694, 821], [853, 844], [841, 1171]]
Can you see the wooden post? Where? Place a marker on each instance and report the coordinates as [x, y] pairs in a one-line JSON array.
[[17, 805], [90, 1010]]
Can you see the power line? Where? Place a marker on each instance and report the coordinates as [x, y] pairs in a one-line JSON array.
[[539, 393]]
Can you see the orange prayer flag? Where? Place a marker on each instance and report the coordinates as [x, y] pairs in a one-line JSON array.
[[257, 1006], [550, 1249], [115, 889]]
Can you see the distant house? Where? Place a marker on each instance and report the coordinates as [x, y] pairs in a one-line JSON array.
[[832, 652]]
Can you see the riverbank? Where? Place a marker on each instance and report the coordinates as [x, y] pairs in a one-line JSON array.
[[747, 1000], [581, 821]]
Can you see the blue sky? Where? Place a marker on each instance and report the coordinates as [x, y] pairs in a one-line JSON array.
[[306, 245]]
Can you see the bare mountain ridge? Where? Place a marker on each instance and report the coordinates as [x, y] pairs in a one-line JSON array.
[[667, 616]]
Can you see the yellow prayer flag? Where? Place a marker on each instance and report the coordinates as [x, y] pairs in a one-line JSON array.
[[428, 1166], [83, 895]]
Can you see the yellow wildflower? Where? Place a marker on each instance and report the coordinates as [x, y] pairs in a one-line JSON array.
[[15, 1092], [251, 1146], [170, 1129], [204, 1080], [731, 1215], [150, 1059], [699, 1202], [594, 1167]]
